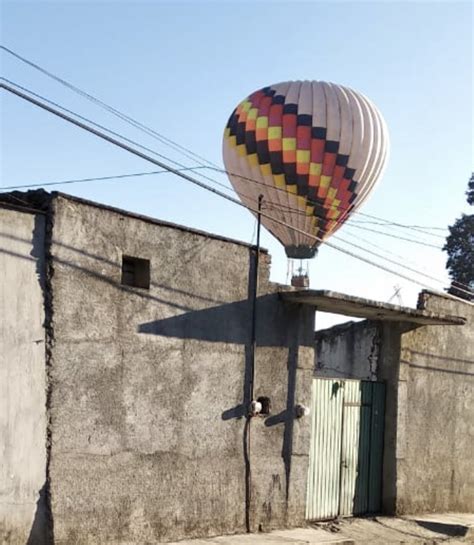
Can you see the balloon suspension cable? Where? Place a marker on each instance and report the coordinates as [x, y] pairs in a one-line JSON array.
[[254, 287], [301, 278]]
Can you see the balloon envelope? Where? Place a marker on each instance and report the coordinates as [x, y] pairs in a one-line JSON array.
[[314, 150]]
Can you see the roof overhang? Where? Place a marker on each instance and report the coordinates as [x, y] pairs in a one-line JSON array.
[[358, 307]]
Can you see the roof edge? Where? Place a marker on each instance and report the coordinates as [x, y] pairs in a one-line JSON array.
[[35, 197], [350, 305]]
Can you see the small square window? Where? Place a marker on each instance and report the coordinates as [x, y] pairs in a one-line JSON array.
[[135, 272]]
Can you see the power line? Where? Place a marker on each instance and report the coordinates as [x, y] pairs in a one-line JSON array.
[[403, 259], [387, 223], [175, 145], [101, 127], [422, 243], [411, 269], [204, 186], [162, 138], [96, 179], [198, 158]]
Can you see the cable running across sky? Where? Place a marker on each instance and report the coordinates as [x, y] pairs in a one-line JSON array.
[[208, 188]]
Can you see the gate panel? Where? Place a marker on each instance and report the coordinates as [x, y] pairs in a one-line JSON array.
[[345, 462], [324, 460], [376, 450], [361, 494], [350, 441]]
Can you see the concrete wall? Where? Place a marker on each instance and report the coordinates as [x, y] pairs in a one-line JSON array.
[[22, 379], [349, 350], [429, 412], [436, 415], [149, 386]]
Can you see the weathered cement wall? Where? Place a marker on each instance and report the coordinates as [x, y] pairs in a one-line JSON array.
[[149, 386], [22, 379], [349, 350], [436, 424]]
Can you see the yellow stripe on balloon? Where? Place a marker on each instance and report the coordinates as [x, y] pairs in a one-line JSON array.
[[302, 156], [279, 180], [302, 202], [315, 169], [325, 181], [253, 113], [331, 194], [274, 133], [262, 122], [242, 150], [289, 144], [252, 159], [266, 169]]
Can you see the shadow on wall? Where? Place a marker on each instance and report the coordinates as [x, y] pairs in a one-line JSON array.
[[277, 326], [41, 532], [434, 360]]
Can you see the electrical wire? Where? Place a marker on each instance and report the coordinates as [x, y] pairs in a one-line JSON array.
[[411, 269], [162, 138], [96, 179], [387, 223], [215, 191], [196, 157], [114, 133], [422, 243], [175, 145]]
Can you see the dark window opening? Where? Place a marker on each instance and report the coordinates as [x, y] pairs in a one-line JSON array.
[[266, 405], [136, 272]]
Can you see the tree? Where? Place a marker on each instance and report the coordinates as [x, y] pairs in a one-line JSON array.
[[460, 249]]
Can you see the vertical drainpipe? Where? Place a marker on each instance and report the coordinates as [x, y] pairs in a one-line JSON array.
[[253, 344]]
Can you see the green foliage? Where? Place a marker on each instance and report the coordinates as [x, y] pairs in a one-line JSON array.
[[470, 190], [460, 249]]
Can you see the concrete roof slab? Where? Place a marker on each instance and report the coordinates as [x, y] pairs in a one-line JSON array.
[[349, 305]]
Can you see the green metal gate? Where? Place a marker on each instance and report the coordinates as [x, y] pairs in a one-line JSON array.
[[345, 461]]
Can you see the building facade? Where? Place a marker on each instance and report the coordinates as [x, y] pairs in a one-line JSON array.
[[126, 378]]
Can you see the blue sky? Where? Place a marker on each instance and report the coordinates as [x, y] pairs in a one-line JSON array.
[[182, 67]]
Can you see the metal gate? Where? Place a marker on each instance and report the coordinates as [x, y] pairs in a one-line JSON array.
[[345, 460]]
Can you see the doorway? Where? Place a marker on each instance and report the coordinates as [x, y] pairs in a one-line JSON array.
[[345, 461]]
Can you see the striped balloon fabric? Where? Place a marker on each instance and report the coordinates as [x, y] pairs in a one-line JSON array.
[[313, 150]]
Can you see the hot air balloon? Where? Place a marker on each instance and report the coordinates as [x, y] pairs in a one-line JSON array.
[[313, 150]]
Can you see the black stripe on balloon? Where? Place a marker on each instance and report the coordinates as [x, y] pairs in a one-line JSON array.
[[319, 209], [323, 224], [250, 142], [349, 173], [312, 194], [268, 91], [342, 160], [331, 146], [278, 99], [231, 118], [233, 124], [276, 160], [352, 198], [263, 152], [302, 184], [291, 178], [352, 186], [319, 133], [304, 120], [240, 133], [290, 109]]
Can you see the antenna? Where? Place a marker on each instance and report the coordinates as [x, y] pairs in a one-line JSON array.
[[397, 294]]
